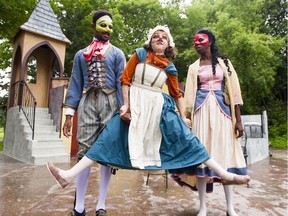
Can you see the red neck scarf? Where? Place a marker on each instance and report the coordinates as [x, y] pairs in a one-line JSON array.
[[96, 47]]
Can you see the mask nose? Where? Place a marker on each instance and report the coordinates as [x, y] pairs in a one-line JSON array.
[[108, 30]]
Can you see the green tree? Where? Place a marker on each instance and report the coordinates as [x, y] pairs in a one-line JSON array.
[[12, 15], [253, 36], [75, 18], [137, 18]]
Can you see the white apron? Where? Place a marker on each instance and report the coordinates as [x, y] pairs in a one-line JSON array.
[[146, 103]]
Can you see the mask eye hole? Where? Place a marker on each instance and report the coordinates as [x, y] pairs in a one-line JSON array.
[[201, 39]]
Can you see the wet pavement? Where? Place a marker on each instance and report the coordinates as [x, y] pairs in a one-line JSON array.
[[30, 190]]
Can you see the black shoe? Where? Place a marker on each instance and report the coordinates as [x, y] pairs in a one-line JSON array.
[[75, 213], [101, 212]]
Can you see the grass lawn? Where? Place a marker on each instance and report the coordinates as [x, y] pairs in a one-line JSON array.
[[1, 138]]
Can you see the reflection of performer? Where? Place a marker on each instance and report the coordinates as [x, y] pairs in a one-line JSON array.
[[158, 137], [97, 70], [213, 97]]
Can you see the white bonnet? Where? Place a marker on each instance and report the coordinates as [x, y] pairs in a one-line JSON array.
[[163, 28]]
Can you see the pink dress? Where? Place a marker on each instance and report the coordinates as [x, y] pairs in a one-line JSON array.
[[212, 124]]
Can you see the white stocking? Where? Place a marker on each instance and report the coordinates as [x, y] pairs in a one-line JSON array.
[[201, 186], [84, 163], [105, 176], [81, 187], [228, 189], [212, 164]]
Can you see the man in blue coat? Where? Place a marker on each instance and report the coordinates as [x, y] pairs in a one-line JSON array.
[[95, 92]]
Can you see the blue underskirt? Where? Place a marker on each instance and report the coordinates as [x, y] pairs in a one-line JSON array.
[[179, 149]]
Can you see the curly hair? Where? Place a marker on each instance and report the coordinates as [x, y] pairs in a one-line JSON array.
[[214, 51]]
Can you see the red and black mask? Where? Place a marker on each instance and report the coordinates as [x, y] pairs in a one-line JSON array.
[[201, 39]]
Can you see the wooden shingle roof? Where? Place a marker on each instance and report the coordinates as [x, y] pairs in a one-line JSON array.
[[43, 21]]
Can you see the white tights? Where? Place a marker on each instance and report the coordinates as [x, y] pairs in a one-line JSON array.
[[228, 189], [81, 171], [86, 162]]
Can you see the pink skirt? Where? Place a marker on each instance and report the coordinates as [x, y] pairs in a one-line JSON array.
[[215, 131]]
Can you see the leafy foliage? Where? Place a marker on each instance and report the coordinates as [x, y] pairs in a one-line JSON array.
[[1, 138], [277, 122], [13, 15], [3, 101]]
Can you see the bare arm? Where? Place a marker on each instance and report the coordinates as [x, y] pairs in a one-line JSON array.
[[67, 126], [125, 109], [181, 110], [238, 124]]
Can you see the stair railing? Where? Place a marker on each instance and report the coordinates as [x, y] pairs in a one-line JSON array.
[[24, 98]]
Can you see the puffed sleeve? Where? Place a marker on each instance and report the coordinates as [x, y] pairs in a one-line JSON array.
[[235, 85], [173, 87], [189, 100]]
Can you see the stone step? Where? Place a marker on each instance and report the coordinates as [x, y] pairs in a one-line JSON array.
[[40, 129], [46, 146], [54, 158], [41, 112], [52, 136], [43, 143], [38, 121], [44, 150], [44, 110]]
